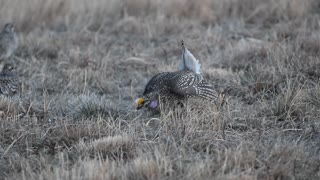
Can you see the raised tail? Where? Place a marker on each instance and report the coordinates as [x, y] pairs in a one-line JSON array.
[[188, 61], [206, 91]]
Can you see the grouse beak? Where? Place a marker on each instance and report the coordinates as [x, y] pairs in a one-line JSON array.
[[140, 102]]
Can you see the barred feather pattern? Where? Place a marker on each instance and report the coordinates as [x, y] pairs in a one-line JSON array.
[[176, 86], [9, 84], [188, 82], [206, 91]]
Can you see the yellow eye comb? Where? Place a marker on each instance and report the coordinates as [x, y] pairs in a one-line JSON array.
[[140, 101]]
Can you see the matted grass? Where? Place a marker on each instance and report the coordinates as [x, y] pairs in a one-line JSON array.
[[84, 63]]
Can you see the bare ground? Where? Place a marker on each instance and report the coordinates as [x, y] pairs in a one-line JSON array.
[[83, 64]]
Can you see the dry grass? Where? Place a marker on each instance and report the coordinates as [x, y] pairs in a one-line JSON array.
[[83, 65]]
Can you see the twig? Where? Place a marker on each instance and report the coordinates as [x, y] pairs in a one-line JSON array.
[[13, 142]]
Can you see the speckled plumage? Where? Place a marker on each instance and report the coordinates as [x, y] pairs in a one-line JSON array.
[[9, 81], [8, 41], [168, 87]]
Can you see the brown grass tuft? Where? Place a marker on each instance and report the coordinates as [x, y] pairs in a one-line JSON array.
[[116, 147]]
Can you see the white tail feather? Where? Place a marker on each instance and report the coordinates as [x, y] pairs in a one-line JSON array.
[[188, 61]]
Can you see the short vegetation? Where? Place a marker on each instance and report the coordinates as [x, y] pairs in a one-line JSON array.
[[84, 63]]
